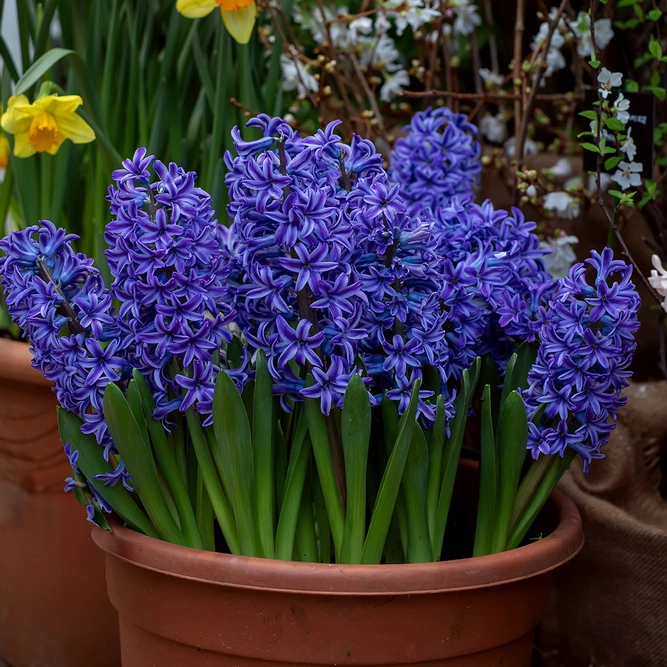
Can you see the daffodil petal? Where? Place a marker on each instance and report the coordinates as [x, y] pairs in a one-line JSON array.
[[59, 104], [76, 129], [240, 23], [18, 109], [195, 9], [22, 145]]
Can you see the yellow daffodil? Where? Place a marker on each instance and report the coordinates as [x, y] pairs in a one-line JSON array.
[[238, 15], [43, 125], [4, 151]]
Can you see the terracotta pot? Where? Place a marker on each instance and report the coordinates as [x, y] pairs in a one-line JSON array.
[[183, 607], [54, 611]]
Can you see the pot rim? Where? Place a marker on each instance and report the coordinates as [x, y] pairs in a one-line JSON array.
[[17, 363], [531, 560]]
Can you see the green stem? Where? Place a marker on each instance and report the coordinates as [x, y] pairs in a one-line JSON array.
[[45, 165], [306, 539], [205, 515]]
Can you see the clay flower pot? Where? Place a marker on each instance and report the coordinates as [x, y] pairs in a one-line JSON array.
[[184, 607], [53, 607]]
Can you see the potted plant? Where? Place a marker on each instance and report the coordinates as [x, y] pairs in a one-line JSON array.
[[276, 411], [73, 100]]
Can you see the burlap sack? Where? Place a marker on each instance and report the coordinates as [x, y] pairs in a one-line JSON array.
[[609, 607]]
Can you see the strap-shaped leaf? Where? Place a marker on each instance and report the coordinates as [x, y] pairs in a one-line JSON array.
[[450, 462], [165, 457], [391, 483], [234, 442], [129, 442], [296, 476], [488, 480], [436, 448], [356, 435], [415, 482], [508, 385], [262, 435], [91, 462], [320, 440], [511, 439], [39, 68]]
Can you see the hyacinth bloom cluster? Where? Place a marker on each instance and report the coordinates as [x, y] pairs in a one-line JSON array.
[[438, 158], [166, 257], [59, 300], [507, 260], [586, 345], [332, 277]]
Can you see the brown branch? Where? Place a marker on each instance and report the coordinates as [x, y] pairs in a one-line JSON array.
[[523, 126], [489, 96], [516, 69]]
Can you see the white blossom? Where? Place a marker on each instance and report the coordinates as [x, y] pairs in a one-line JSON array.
[[578, 182], [491, 79], [561, 258], [581, 26], [529, 147], [359, 29], [621, 108], [417, 14], [382, 54], [296, 76], [467, 18], [554, 58], [608, 80], [394, 84], [562, 169], [628, 146], [563, 204], [531, 191], [493, 128], [628, 175], [658, 279]]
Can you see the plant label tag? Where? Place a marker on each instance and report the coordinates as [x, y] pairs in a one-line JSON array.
[[642, 122]]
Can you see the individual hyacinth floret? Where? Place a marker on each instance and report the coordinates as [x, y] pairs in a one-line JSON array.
[[439, 157], [332, 277], [586, 346]]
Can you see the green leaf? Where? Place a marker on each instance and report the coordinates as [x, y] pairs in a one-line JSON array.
[[234, 442], [511, 439], [590, 147], [654, 48], [223, 512], [436, 448], [526, 355], [262, 434], [611, 162], [594, 63], [632, 86], [320, 441], [391, 483], [126, 433], [589, 113], [39, 68], [165, 457], [614, 124], [654, 14], [554, 472], [415, 483], [91, 462], [508, 382], [452, 455], [488, 481], [296, 476], [356, 434]]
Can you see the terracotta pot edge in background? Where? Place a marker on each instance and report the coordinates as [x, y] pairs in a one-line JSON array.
[[16, 363]]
